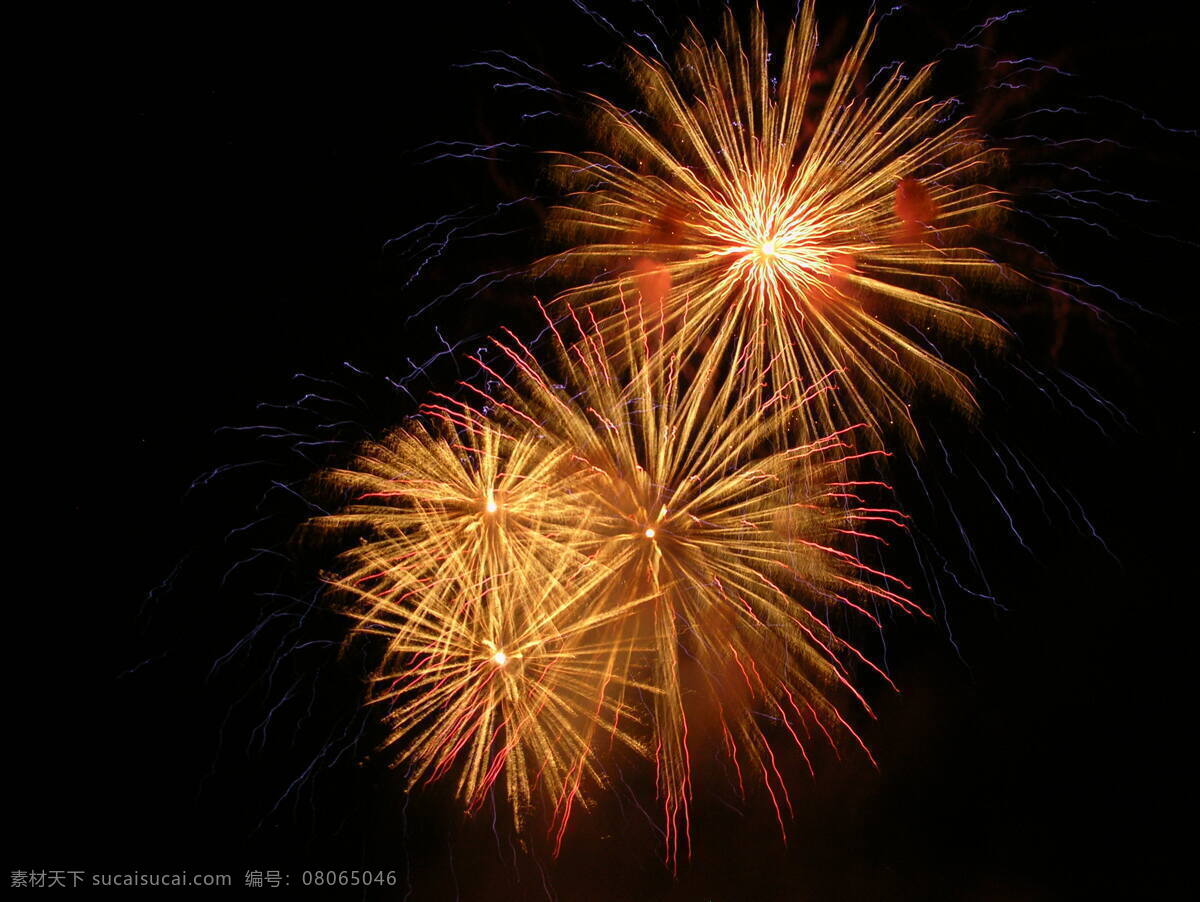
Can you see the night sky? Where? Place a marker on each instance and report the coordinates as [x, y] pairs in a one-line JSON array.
[[217, 189]]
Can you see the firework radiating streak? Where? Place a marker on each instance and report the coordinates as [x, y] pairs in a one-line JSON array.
[[738, 221], [734, 543]]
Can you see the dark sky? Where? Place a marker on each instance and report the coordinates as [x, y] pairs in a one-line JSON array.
[[216, 188]]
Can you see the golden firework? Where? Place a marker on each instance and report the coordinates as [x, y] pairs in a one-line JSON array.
[[498, 663], [461, 497], [733, 543], [838, 243], [503, 685]]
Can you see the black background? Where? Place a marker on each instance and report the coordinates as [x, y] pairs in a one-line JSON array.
[[213, 192]]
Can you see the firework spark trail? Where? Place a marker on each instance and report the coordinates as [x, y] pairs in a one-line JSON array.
[[423, 245], [738, 221]]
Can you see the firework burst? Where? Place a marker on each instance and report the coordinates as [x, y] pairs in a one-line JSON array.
[[834, 243], [501, 685], [496, 664], [453, 500], [736, 546]]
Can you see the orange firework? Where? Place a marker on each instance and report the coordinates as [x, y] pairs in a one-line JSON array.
[[497, 664], [735, 545], [461, 497], [826, 246], [502, 685]]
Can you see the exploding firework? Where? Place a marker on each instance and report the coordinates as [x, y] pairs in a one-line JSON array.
[[836, 241], [496, 664], [736, 546], [452, 502]]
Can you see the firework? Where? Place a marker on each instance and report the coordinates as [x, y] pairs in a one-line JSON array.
[[735, 546], [496, 664], [501, 685], [834, 242], [453, 502]]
